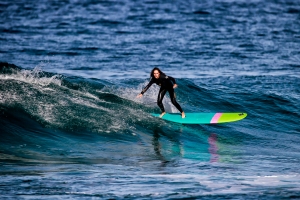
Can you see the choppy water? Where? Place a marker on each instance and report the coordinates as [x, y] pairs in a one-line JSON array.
[[72, 127]]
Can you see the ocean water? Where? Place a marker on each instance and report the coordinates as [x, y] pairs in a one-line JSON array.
[[71, 126]]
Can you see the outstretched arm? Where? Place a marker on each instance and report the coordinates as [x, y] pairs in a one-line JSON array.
[[146, 88]]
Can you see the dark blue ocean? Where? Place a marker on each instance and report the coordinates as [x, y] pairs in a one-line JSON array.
[[71, 126]]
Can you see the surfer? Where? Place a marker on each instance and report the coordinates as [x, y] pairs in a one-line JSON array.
[[166, 83]]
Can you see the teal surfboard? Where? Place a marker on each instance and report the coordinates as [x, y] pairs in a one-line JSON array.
[[203, 118]]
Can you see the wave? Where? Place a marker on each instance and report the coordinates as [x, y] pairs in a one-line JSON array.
[[46, 115]]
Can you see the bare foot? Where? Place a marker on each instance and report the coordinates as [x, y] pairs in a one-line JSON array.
[[162, 114], [182, 115]]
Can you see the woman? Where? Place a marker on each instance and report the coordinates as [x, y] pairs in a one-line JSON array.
[[166, 83]]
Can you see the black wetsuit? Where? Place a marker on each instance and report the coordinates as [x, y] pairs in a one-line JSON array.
[[166, 84]]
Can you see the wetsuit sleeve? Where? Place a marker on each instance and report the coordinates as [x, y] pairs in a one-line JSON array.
[[172, 79], [147, 87]]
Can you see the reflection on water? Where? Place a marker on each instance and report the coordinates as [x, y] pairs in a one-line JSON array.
[[200, 146], [213, 148], [157, 147]]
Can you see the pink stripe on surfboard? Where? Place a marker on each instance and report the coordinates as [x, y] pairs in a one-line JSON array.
[[215, 118]]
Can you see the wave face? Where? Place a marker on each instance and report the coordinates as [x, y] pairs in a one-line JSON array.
[[73, 128]]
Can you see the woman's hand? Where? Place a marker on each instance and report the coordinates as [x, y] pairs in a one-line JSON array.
[[175, 86], [139, 96]]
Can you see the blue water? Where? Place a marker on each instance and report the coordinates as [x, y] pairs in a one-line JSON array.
[[71, 126]]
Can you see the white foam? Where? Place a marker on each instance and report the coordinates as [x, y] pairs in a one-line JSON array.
[[35, 76]]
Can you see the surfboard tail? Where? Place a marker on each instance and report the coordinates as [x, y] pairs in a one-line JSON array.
[[227, 117]]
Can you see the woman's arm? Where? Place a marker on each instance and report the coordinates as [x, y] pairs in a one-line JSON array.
[[146, 88], [173, 81]]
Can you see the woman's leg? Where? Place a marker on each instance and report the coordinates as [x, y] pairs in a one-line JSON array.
[[160, 97], [173, 100]]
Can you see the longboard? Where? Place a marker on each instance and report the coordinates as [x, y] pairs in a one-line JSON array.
[[202, 118]]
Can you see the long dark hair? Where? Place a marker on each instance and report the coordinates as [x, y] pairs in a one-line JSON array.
[[156, 68]]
